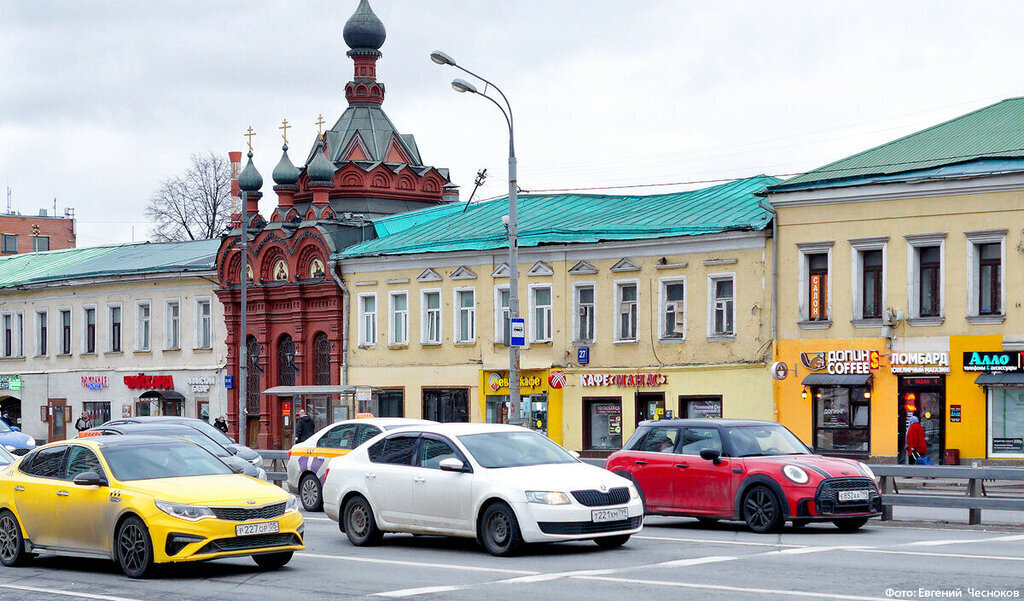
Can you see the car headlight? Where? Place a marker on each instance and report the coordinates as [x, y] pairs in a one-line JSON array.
[[547, 497], [186, 512], [867, 470], [257, 461], [633, 492], [10, 447], [31, 442], [292, 504], [795, 474]]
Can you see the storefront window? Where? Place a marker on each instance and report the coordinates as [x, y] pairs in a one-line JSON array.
[[701, 406], [603, 424], [497, 409], [96, 412], [842, 419], [391, 403], [446, 404], [1006, 406]]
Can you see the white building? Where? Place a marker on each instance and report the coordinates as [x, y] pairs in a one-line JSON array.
[[102, 332]]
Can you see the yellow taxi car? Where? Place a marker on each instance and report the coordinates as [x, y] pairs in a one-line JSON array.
[[141, 500], [307, 460]]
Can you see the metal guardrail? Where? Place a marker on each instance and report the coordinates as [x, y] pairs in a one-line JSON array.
[[274, 462], [974, 501]]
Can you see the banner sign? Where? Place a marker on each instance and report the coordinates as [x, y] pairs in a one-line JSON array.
[[143, 381], [987, 361], [627, 380]]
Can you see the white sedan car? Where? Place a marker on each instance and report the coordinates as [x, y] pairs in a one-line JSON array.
[[307, 460], [503, 485]]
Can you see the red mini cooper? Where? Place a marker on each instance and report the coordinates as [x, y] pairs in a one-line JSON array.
[[755, 471]]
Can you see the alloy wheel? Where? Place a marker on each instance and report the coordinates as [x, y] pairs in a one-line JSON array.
[[132, 548], [9, 538], [761, 510]]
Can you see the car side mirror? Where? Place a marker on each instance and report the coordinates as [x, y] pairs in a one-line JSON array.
[[712, 455], [89, 479], [574, 454], [237, 469], [231, 449], [452, 464]]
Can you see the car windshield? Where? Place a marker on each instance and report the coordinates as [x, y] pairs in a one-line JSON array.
[[210, 431], [514, 449], [200, 439], [772, 439], [172, 459], [5, 457]]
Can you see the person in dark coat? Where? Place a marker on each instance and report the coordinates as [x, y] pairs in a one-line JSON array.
[[221, 424], [303, 426]]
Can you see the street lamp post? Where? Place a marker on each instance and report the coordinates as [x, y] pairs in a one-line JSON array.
[[461, 85], [249, 182]]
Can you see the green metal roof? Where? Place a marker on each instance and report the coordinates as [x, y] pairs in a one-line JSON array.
[[571, 218], [995, 131], [110, 260]]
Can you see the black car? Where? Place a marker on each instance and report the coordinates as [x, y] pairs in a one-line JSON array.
[[240, 450]]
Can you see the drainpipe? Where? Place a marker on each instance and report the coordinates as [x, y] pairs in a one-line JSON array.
[[775, 270], [332, 265]]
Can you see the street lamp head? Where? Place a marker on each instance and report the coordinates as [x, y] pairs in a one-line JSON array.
[[461, 85], [441, 58]]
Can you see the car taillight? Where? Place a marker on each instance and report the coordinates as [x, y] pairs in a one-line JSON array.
[[326, 471], [289, 454]]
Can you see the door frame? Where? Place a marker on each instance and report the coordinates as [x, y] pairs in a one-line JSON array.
[[904, 387], [51, 435]]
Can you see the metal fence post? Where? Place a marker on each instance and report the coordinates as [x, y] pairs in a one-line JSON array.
[[887, 489], [974, 489]]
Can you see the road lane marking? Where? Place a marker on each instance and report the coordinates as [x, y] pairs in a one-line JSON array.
[[715, 542], [1011, 537], [949, 555], [952, 541], [806, 550], [693, 561], [731, 589], [417, 564], [53, 591], [556, 576], [426, 590], [318, 519]]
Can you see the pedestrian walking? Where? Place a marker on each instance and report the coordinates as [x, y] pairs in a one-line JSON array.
[[303, 426], [221, 423], [81, 423], [917, 447], [7, 418]]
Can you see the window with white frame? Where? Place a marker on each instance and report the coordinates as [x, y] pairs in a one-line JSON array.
[[583, 311], [65, 331], [986, 284], [89, 333], [399, 326], [673, 309], [114, 318], [540, 308], [172, 325], [204, 323], [868, 283], [925, 278], [8, 343], [367, 320], [465, 316], [815, 284], [626, 318], [42, 332], [431, 302], [721, 305], [143, 319], [502, 315]]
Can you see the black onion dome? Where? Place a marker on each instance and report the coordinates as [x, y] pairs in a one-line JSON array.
[[364, 30], [250, 180], [285, 174]]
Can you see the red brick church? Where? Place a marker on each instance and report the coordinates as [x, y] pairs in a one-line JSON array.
[[359, 170]]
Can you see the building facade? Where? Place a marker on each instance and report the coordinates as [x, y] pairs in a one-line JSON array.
[[899, 294], [110, 331], [35, 233], [636, 308]]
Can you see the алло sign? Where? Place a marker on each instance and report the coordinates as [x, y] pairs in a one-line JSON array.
[[989, 361]]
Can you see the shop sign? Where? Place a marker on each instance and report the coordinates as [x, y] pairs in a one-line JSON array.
[[94, 382], [1008, 445], [841, 362], [201, 383], [496, 382], [627, 380], [10, 382], [556, 379], [142, 381], [984, 361], [705, 409], [919, 363], [607, 409], [954, 414], [229, 381], [126, 410]]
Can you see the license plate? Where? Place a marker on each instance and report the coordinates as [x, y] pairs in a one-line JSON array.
[[259, 528], [853, 495], [609, 515]]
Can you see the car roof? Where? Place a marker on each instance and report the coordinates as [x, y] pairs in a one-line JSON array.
[[161, 429], [119, 441], [462, 428], [154, 418], [712, 422]]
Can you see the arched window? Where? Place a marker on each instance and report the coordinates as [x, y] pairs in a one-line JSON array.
[[285, 361], [252, 383], [322, 354]]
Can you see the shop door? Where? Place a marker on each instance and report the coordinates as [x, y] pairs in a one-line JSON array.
[[252, 430], [925, 398], [650, 405], [57, 408], [287, 420]]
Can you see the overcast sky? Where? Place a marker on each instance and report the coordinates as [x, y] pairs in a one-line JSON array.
[[99, 101]]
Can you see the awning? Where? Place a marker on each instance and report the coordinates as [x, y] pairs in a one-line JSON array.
[[1000, 378], [323, 389], [167, 395], [837, 379]]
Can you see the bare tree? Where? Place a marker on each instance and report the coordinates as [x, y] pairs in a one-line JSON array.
[[194, 205]]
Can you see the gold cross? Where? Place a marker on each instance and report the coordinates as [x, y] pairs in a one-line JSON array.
[[319, 121], [249, 136], [285, 127]]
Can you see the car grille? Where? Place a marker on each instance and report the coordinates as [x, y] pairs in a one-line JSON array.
[[827, 499], [596, 498], [589, 527], [242, 514], [20, 451], [241, 543]]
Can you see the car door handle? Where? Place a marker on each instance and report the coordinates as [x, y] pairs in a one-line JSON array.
[[62, 493], [19, 488], [682, 465], [370, 475], [419, 479], [640, 462]]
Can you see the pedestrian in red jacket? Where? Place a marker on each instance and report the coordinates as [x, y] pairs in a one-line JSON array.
[[916, 445]]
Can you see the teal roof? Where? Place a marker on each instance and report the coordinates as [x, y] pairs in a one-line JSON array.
[[992, 132], [571, 218], [110, 260]]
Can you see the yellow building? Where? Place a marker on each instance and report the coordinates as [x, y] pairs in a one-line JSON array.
[[636, 308], [898, 296]]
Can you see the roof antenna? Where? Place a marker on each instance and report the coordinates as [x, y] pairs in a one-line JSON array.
[[480, 177]]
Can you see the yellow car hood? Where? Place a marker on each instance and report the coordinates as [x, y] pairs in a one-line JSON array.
[[229, 490]]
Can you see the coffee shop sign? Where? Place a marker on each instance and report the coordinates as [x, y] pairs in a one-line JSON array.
[[841, 362]]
